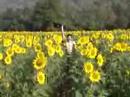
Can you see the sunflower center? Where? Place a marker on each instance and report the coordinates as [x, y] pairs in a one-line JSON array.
[[39, 62], [95, 76], [88, 67], [40, 77]]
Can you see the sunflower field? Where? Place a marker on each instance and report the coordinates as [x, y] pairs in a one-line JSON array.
[[36, 64]]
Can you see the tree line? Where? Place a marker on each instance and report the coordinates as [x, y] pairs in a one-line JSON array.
[[48, 15]]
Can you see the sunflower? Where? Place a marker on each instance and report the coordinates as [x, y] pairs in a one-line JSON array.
[[110, 36], [1, 56], [95, 76], [58, 48], [8, 60], [57, 38], [124, 36], [117, 46], [88, 67], [41, 78], [95, 35], [37, 47], [40, 63], [16, 38], [40, 54], [120, 46], [124, 46], [51, 51], [83, 40], [15, 46], [92, 53], [100, 60], [18, 50], [22, 38], [48, 42], [23, 50], [7, 42], [10, 52], [90, 46], [36, 40], [83, 51], [61, 53], [1, 38], [28, 43]]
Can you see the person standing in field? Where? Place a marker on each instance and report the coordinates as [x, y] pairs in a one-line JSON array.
[[69, 42], [65, 87]]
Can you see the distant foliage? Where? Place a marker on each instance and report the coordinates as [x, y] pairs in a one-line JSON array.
[[74, 14]]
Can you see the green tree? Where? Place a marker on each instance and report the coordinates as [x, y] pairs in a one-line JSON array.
[[46, 13]]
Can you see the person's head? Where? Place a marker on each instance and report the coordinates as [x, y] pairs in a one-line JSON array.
[[69, 37]]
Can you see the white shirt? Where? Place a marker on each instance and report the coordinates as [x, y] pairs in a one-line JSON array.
[[69, 46]]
